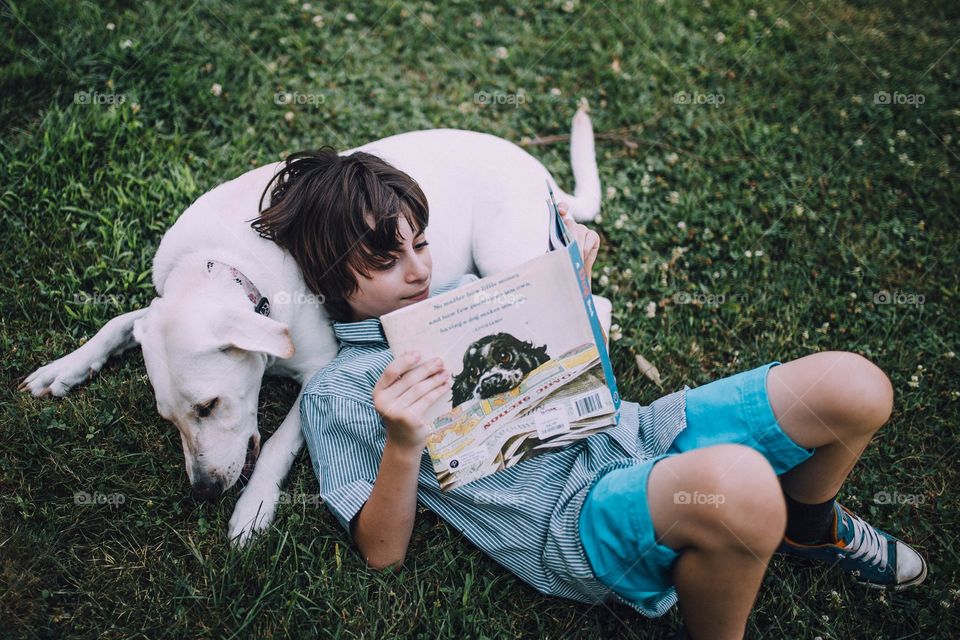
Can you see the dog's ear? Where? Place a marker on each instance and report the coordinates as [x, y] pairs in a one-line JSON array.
[[250, 331]]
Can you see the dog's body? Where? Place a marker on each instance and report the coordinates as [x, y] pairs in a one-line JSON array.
[[206, 350], [494, 364]]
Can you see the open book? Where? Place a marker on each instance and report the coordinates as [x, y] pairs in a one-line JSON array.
[[531, 368]]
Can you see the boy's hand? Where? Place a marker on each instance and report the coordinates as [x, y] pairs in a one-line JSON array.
[[589, 241], [404, 392]]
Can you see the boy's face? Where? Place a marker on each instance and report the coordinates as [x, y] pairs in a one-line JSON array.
[[396, 286]]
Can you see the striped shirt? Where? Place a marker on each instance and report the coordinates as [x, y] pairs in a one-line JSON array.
[[524, 517]]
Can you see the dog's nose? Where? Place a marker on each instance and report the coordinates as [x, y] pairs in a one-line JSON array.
[[206, 488]]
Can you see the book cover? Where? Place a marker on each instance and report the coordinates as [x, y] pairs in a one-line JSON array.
[[530, 366]]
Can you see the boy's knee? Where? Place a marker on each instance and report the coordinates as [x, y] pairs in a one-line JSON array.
[[867, 399], [747, 508]]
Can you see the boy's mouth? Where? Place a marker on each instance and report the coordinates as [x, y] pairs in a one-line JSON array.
[[419, 296]]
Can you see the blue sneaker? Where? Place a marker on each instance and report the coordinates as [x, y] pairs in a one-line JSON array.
[[872, 557]]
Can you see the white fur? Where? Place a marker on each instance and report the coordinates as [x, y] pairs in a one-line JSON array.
[[200, 338]]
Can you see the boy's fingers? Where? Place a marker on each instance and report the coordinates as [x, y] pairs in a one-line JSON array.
[[415, 395], [415, 376], [398, 368], [431, 396]]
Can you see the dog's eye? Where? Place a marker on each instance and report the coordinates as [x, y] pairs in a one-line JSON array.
[[506, 357], [203, 410]]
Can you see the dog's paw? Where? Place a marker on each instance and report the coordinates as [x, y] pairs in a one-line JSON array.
[[58, 377], [253, 514]]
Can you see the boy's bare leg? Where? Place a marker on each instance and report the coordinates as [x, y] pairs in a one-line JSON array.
[[834, 401], [726, 541]]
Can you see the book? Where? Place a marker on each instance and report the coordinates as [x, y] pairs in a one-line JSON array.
[[531, 371]]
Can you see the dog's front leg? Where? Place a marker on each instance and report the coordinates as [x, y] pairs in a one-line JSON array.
[[257, 504], [78, 366]]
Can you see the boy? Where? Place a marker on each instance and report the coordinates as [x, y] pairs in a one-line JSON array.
[[687, 498]]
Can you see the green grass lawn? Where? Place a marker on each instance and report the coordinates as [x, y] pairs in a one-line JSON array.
[[780, 178]]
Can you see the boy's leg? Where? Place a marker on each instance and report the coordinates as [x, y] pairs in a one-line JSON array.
[[833, 401], [836, 402], [726, 527]]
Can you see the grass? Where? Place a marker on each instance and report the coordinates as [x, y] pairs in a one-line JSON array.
[[780, 201]]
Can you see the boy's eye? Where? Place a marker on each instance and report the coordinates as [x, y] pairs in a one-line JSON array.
[[422, 245]]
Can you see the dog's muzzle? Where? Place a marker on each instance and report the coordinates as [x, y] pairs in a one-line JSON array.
[[253, 452]]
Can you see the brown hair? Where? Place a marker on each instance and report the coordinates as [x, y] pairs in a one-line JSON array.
[[337, 216]]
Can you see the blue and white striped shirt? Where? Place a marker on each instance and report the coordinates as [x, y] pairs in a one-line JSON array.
[[524, 517]]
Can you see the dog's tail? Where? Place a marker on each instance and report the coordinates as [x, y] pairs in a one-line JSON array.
[[585, 201]]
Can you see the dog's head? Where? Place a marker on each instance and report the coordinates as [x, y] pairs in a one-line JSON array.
[[205, 364], [494, 364]]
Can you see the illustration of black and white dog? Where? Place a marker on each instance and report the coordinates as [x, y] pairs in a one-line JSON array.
[[494, 364]]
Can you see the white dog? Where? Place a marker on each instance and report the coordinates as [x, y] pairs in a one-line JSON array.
[[232, 306]]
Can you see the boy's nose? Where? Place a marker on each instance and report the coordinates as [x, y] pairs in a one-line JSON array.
[[417, 269]]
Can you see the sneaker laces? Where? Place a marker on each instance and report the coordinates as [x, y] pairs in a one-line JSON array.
[[867, 542]]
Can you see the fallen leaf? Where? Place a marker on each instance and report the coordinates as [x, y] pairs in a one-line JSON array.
[[648, 370]]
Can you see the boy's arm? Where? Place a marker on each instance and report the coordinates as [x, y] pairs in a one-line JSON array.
[[384, 525], [403, 393]]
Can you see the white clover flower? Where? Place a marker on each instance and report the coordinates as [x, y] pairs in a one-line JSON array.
[[651, 309], [604, 280], [856, 99], [858, 142], [317, 20], [618, 224], [615, 332], [681, 225], [673, 197], [720, 37], [645, 183], [502, 53], [611, 193], [902, 134], [126, 44], [555, 91], [216, 89], [752, 14], [672, 158], [111, 26], [748, 253], [351, 17], [289, 116]]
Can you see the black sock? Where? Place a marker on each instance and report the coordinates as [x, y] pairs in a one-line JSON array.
[[809, 523]]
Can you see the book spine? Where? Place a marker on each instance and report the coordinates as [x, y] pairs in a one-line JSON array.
[[573, 251]]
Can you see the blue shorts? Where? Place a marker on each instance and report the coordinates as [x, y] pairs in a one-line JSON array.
[[615, 523]]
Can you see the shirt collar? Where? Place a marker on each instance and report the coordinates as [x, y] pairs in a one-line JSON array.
[[362, 332]]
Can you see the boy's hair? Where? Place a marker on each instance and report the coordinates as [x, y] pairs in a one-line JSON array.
[[337, 216]]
